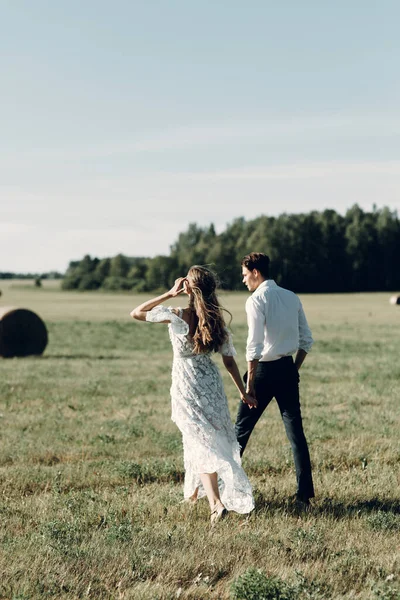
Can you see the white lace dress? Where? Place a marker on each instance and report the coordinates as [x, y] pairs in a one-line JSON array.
[[200, 410]]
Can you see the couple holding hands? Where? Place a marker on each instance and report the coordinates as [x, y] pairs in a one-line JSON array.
[[277, 330]]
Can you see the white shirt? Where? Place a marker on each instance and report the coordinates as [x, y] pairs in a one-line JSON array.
[[277, 323]]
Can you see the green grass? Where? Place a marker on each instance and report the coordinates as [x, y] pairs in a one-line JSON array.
[[91, 466]]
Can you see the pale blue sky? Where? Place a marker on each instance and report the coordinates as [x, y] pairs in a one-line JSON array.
[[123, 121]]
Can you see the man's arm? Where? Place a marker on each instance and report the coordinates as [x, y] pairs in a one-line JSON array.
[[251, 374], [300, 357], [255, 341], [305, 339]]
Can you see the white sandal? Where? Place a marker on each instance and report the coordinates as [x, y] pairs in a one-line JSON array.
[[218, 513]]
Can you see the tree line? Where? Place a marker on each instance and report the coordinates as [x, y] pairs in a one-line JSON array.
[[313, 252], [48, 275]]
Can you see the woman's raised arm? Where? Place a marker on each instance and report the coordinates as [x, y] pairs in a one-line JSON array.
[[139, 313]]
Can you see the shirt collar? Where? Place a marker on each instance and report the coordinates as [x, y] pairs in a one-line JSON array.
[[265, 284]]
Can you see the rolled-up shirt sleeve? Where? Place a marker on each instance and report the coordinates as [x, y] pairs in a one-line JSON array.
[[305, 337], [255, 322]]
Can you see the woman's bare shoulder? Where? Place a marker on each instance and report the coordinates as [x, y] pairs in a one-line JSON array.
[[185, 314]]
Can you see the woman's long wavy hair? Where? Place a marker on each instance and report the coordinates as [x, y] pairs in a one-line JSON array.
[[210, 332]]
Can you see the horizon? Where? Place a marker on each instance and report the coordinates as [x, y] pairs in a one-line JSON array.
[[374, 208]]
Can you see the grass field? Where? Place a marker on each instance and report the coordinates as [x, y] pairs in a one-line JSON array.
[[91, 466]]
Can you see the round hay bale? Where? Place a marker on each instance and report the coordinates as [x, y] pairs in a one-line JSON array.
[[395, 300], [22, 332]]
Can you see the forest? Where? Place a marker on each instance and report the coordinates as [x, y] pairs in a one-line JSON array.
[[314, 252]]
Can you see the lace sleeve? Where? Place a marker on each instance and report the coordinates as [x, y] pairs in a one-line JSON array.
[[161, 313], [227, 348]]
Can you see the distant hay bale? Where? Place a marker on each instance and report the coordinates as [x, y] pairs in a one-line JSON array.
[[395, 300], [22, 332]]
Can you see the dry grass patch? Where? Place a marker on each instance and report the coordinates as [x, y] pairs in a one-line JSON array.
[[91, 466]]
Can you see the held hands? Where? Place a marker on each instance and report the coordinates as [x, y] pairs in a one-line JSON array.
[[250, 400], [250, 396], [178, 287]]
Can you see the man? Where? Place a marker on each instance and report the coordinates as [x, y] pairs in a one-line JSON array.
[[277, 329]]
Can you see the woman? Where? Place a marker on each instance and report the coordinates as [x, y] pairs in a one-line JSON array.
[[199, 405]]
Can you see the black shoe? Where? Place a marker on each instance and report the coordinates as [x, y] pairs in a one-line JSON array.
[[299, 504], [302, 500]]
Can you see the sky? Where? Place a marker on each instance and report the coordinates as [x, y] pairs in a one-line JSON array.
[[122, 122]]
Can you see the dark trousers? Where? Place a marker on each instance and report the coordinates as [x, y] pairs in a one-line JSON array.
[[279, 379]]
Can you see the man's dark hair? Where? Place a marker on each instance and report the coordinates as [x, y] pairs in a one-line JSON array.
[[257, 260]]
